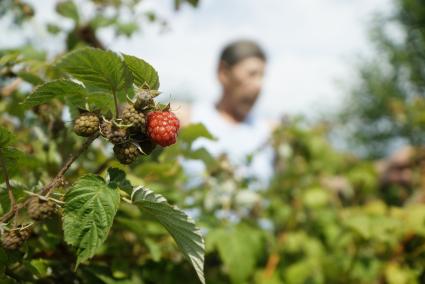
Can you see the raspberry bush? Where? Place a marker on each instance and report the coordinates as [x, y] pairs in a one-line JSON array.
[[85, 204], [92, 178]]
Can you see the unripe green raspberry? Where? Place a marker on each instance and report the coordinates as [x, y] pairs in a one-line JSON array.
[[118, 135], [106, 129], [126, 153], [144, 100], [130, 116], [86, 124], [14, 239], [39, 209]]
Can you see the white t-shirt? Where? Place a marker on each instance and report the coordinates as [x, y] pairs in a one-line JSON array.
[[237, 141]]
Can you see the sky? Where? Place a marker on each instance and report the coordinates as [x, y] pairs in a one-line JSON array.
[[311, 45]]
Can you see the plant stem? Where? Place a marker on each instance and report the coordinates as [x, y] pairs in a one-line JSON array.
[[103, 166], [7, 181], [72, 158], [57, 180], [117, 111]]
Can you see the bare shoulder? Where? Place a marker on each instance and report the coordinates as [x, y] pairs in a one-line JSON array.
[[183, 111]]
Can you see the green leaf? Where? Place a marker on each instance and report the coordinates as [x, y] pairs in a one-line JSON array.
[[99, 70], [126, 29], [154, 249], [316, 197], [90, 207], [194, 3], [40, 267], [165, 172], [397, 274], [73, 93], [117, 178], [183, 229], [239, 248], [101, 100], [18, 192], [68, 9], [53, 28], [17, 162], [178, 3], [143, 72], [6, 137], [11, 57], [30, 78], [101, 21], [193, 131]]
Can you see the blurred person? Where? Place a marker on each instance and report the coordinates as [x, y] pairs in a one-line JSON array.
[[239, 131], [397, 169], [401, 175]]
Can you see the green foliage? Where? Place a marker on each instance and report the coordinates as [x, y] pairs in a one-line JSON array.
[[326, 216], [117, 179], [239, 248], [178, 3], [99, 70], [68, 9], [30, 78], [385, 103], [183, 229], [90, 208], [143, 72], [64, 89], [91, 77], [16, 161], [5, 137], [193, 132], [103, 75]]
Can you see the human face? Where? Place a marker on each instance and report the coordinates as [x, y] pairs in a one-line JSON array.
[[242, 85]]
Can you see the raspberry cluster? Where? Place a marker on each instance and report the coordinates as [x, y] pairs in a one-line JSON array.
[[141, 126], [40, 209], [14, 238]]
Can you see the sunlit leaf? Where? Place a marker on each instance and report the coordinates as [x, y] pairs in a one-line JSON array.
[[143, 72], [99, 70]]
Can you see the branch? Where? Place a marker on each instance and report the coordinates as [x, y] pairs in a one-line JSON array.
[[9, 187], [6, 217], [57, 180]]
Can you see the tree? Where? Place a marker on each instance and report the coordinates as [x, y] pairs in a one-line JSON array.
[[386, 104]]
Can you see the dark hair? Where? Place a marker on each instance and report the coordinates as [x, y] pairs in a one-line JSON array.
[[239, 50]]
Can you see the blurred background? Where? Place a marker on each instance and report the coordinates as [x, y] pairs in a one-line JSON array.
[[344, 89], [311, 46]]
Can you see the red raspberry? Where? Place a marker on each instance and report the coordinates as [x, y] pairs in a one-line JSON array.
[[162, 127]]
